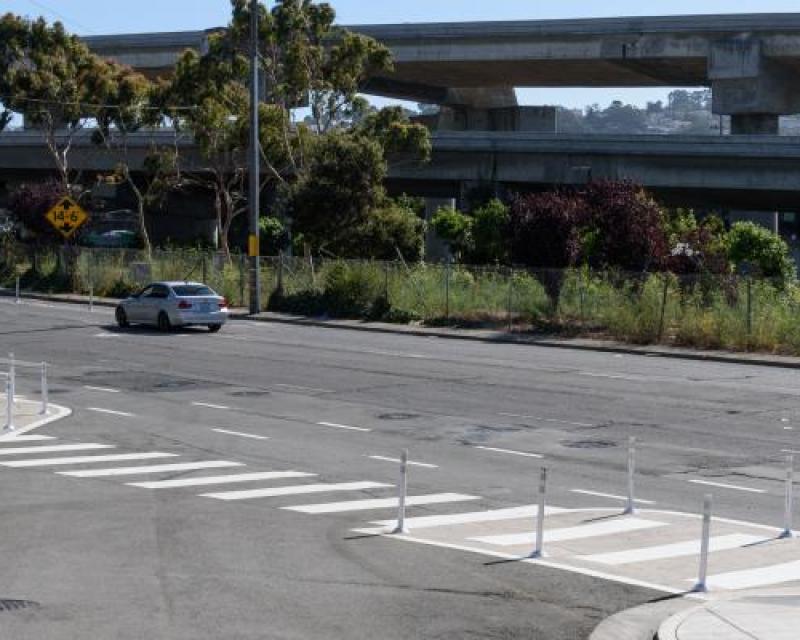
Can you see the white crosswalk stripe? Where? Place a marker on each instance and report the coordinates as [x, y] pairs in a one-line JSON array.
[[675, 550], [295, 490], [383, 503], [56, 448], [607, 528], [495, 515], [758, 577], [163, 468], [76, 460], [230, 479]]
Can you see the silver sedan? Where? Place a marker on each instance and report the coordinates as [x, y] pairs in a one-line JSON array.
[[174, 304]]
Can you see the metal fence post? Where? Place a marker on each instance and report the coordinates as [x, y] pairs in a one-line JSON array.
[[280, 273], [749, 306], [630, 507], [538, 551], [205, 268], [386, 282], [510, 308], [9, 407], [242, 266], [702, 574], [789, 499], [44, 390], [447, 288], [402, 490], [17, 296], [663, 309]]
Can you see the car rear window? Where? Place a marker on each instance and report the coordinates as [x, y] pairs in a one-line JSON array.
[[192, 290]]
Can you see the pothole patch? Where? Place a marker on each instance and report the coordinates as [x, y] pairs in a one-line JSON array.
[[398, 415], [249, 394], [589, 444]]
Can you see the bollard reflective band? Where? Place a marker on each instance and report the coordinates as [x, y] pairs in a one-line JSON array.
[[252, 246]]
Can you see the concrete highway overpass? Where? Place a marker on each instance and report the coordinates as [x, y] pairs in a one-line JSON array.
[[751, 61], [737, 172]]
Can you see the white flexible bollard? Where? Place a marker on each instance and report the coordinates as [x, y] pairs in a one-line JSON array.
[[788, 511], [538, 551], [630, 507], [12, 376], [402, 490], [44, 390], [9, 408], [702, 573]]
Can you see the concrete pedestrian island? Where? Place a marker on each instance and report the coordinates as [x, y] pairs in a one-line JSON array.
[[767, 616]]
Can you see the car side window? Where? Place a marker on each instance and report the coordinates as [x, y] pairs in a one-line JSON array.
[[147, 292], [159, 291]]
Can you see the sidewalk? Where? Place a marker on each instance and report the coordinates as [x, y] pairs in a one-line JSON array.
[[27, 416], [475, 335]]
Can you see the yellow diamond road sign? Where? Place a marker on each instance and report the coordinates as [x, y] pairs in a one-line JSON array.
[[67, 216]]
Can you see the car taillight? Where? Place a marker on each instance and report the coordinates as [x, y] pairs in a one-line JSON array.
[[183, 304]]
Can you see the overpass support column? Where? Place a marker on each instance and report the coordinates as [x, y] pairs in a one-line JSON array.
[[752, 88]]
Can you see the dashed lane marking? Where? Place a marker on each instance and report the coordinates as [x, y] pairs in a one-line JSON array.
[[295, 490], [231, 479], [208, 405], [336, 425], [162, 468], [509, 451], [610, 496], [111, 412], [101, 389], [49, 462], [381, 503], [53, 448], [240, 434], [411, 463], [723, 485]]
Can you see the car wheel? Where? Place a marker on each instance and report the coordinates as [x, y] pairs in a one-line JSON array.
[[213, 328], [163, 322], [122, 318]]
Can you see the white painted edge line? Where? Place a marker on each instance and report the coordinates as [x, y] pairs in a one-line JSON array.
[[23, 438], [101, 389], [410, 462], [208, 405], [542, 419], [610, 496], [343, 426], [510, 451], [544, 563], [240, 434], [723, 485], [111, 412], [55, 412]]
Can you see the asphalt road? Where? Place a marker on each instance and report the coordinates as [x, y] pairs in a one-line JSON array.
[[94, 557]]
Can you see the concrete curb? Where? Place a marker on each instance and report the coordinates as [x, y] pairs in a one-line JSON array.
[[780, 362], [641, 623], [56, 412]]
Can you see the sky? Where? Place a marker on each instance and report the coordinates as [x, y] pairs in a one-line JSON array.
[[92, 17]]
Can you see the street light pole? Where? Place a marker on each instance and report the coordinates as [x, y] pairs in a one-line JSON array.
[[255, 170]]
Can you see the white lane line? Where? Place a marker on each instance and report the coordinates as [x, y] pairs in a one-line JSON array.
[[511, 451], [208, 405], [607, 528], [610, 376], [232, 479], [723, 485], [295, 490], [102, 389], [54, 448], [343, 426], [541, 419], [110, 412], [610, 496], [240, 434], [296, 387], [676, 550], [751, 578], [495, 515], [32, 437], [161, 468], [410, 462], [397, 354], [383, 503], [49, 462]]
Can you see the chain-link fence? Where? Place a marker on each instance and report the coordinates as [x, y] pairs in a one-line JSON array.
[[707, 311]]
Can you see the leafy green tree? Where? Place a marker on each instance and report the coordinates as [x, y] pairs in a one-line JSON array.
[[759, 251], [390, 228], [490, 233], [455, 228]]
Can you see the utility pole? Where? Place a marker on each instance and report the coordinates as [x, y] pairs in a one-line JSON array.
[[255, 170]]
